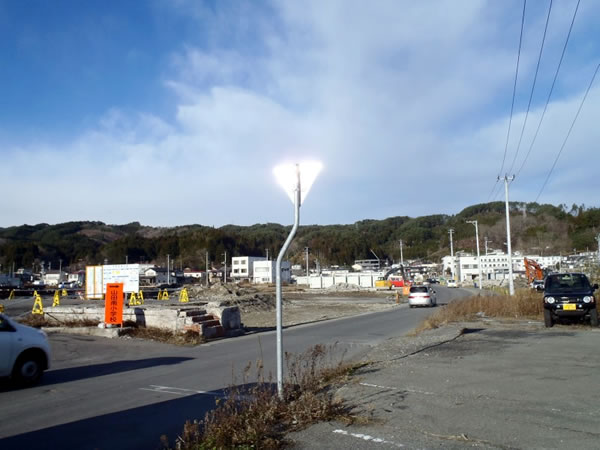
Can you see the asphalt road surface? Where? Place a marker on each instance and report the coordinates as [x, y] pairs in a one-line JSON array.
[[126, 393]]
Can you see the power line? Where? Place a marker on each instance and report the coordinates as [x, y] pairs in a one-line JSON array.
[[569, 132], [551, 88], [512, 106], [537, 68]]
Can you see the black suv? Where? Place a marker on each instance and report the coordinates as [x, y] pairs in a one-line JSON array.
[[569, 295]]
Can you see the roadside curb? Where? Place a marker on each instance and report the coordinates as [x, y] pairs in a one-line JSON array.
[[88, 331]]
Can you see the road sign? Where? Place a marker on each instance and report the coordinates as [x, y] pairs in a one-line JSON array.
[[113, 306]]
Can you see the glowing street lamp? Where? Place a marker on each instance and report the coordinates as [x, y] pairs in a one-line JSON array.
[[296, 180]]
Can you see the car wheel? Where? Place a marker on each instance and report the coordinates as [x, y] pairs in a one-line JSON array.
[[548, 321], [28, 370], [594, 317]]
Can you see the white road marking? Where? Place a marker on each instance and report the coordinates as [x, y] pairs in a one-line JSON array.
[[366, 437], [187, 392], [176, 391], [414, 391]]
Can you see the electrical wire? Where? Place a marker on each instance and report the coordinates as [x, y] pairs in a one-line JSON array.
[[551, 88], [569, 132], [537, 68], [512, 106]]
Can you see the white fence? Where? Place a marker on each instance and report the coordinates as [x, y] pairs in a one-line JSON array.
[[326, 281]]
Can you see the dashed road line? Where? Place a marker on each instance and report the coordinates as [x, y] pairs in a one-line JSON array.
[[414, 391], [177, 391], [366, 437]]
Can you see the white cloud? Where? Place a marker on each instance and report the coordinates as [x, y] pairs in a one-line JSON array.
[[406, 104]]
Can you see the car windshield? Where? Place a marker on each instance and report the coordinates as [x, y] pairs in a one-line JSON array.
[[418, 289], [567, 281]]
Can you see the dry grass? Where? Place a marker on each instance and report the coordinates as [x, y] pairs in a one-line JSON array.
[[255, 416], [166, 336], [525, 304]]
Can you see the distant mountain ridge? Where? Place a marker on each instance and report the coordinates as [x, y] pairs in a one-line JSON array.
[[535, 229]]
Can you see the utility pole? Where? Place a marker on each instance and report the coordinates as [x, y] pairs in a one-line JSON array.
[[474, 222], [401, 254], [225, 272], [486, 245], [168, 270], [267, 254], [306, 251], [511, 284], [126, 259], [207, 270], [450, 232]]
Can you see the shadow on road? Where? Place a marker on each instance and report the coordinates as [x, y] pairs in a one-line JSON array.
[[136, 428], [98, 370]]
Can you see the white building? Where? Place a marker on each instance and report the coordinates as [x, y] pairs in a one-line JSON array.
[[54, 277], [242, 267], [494, 266], [77, 278], [155, 276], [193, 273], [264, 272]]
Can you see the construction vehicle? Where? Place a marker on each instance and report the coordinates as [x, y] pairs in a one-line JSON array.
[[393, 278], [533, 271]]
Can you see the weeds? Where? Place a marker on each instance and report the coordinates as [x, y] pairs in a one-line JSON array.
[[526, 303], [253, 416], [169, 337]]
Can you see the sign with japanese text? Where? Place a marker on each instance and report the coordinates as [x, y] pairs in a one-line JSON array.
[[128, 274], [113, 304]]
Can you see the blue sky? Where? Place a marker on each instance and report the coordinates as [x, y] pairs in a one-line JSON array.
[[175, 112]]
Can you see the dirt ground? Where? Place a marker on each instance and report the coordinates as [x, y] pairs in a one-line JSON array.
[[258, 303]]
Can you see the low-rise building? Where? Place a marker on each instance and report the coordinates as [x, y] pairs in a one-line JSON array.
[[154, 276], [77, 278], [264, 272], [242, 267], [54, 277]]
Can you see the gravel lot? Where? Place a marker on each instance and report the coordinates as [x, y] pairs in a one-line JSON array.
[[499, 385]]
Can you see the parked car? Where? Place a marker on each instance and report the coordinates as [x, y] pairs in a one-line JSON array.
[[569, 295], [452, 284], [24, 351], [421, 296]]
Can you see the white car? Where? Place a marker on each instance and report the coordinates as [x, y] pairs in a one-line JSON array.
[[452, 284], [24, 352], [421, 296]]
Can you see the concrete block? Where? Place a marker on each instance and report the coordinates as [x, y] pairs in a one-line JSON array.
[[229, 316]]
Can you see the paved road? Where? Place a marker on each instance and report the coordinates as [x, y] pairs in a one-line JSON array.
[[125, 393]]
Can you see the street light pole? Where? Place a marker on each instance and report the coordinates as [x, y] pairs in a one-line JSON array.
[[450, 232], [296, 180], [207, 270], [168, 269], [401, 254], [306, 251], [286, 244], [474, 222]]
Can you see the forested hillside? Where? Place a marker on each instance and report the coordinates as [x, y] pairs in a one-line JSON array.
[[535, 229]]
